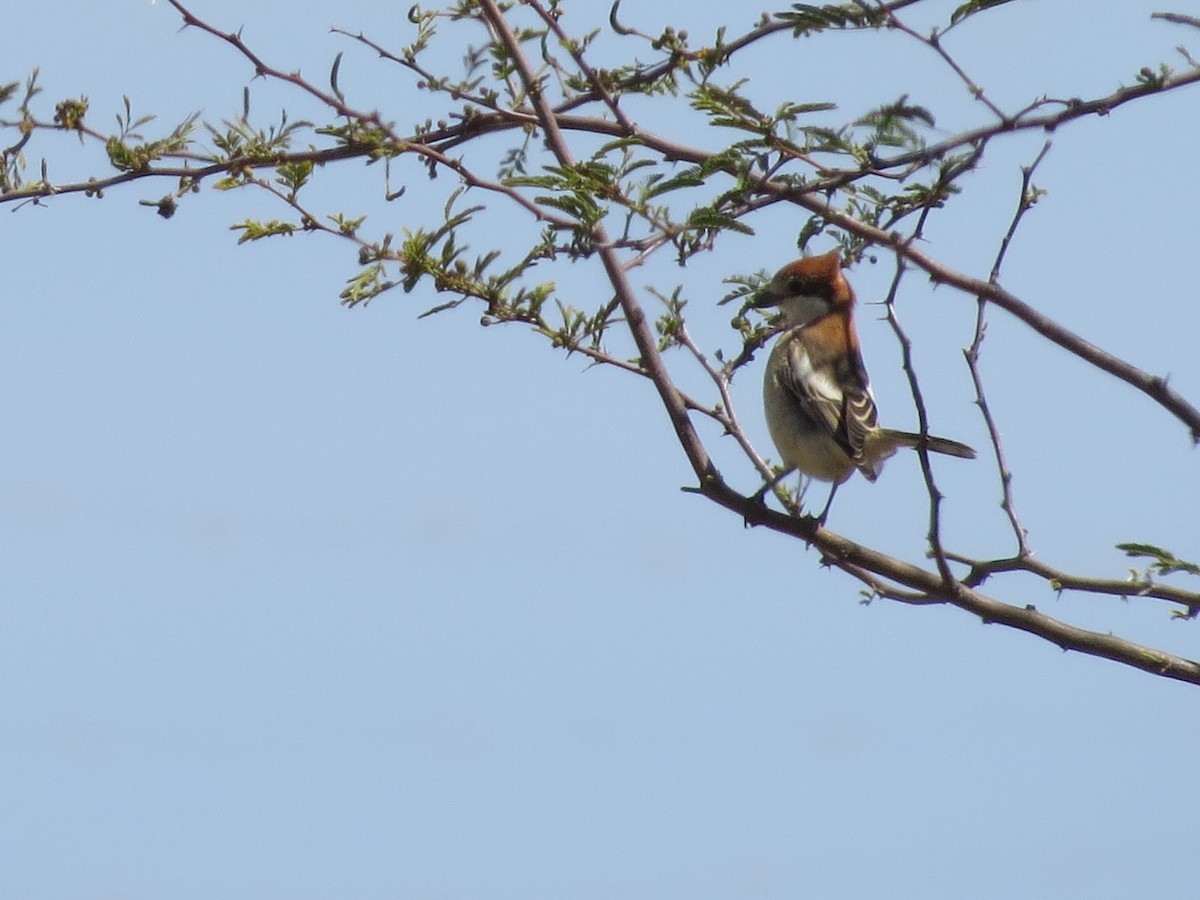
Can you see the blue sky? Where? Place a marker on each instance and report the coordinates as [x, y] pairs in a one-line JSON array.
[[304, 602]]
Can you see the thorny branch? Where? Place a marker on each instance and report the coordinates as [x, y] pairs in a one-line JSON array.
[[1024, 203]]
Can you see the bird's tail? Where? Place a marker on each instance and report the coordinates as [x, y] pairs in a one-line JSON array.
[[931, 443]]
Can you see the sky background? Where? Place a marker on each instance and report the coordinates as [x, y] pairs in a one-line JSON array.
[[304, 602]]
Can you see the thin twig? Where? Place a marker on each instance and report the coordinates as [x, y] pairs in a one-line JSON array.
[[935, 44], [935, 495], [972, 355], [982, 569], [730, 420]]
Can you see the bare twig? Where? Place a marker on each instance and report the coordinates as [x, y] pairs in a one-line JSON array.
[[730, 420], [981, 570], [933, 41], [972, 354], [935, 495]]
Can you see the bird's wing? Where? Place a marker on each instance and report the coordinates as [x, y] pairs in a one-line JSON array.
[[859, 418], [834, 393]]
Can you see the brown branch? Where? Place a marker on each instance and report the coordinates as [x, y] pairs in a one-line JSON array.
[[588, 72], [317, 157], [842, 552], [1154, 386], [1176, 18], [1073, 108], [261, 68], [982, 569], [635, 316], [659, 70]]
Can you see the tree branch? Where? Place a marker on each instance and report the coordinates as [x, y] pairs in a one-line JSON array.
[[842, 551]]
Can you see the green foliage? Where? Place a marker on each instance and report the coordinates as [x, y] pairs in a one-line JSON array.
[[626, 184], [255, 231], [426, 29], [238, 141], [895, 125], [294, 176], [1162, 562], [346, 225], [575, 190], [71, 113], [12, 177], [438, 256], [806, 18], [669, 325], [367, 135], [728, 108], [972, 7], [129, 151], [366, 285]]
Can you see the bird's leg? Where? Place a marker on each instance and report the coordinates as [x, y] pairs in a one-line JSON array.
[[820, 520]]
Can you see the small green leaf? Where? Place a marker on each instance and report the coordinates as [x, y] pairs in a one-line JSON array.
[[974, 6], [705, 217], [1163, 562], [806, 18], [253, 231], [690, 177]]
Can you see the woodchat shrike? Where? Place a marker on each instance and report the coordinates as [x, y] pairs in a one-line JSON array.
[[816, 394]]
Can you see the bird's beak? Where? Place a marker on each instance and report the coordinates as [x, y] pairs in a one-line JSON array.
[[766, 297]]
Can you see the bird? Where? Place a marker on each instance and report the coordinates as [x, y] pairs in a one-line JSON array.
[[816, 394]]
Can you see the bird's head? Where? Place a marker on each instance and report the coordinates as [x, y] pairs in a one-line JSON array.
[[808, 289]]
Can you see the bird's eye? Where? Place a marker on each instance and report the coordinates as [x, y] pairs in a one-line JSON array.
[[807, 286]]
